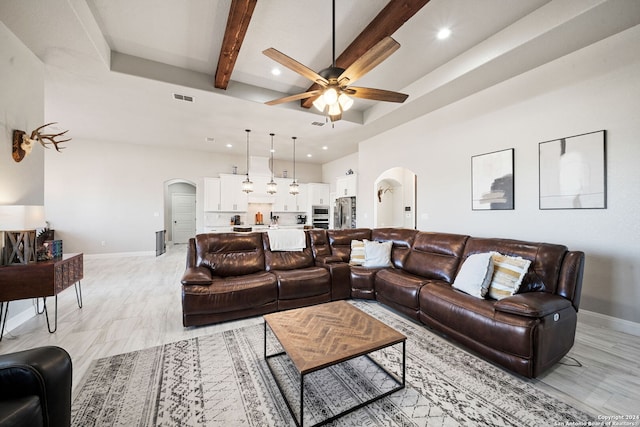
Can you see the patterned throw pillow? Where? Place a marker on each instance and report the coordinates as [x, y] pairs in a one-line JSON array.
[[357, 252], [508, 273], [475, 275]]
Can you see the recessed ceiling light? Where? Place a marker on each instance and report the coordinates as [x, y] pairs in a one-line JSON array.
[[309, 155], [276, 71], [325, 147], [229, 145], [444, 33]]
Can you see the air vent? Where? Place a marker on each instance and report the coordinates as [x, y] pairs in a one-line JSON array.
[[317, 123], [186, 98]]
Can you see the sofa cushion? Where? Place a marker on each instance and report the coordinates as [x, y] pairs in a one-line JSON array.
[[357, 252], [475, 275], [398, 286], [402, 239], [232, 293], [303, 283], [508, 273], [546, 260], [435, 256], [377, 254], [340, 240], [230, 254], [477, 319], [286, 260]]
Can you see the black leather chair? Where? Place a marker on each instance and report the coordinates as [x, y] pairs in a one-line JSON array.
[[35, 388]]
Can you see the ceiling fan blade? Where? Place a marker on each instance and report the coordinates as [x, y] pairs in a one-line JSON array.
[[294, 97], [367, 62], [294, 65], [376, 94]]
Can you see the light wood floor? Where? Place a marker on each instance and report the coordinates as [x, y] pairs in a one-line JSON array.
[[131, 303]]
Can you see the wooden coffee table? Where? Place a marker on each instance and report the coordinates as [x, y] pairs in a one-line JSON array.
[[324, 335]]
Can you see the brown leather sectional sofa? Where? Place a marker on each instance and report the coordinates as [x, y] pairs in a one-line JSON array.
[[236, 275]]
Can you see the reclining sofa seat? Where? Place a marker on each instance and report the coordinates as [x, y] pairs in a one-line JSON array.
[[300, 281], [429, 258], [226, 279], [527, 332]]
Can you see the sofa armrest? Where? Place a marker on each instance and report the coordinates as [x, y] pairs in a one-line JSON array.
[[45, 372], [327, 259], [196, 276], [532, 304]]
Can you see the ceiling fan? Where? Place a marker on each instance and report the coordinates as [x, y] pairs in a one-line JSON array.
[[335, 95]]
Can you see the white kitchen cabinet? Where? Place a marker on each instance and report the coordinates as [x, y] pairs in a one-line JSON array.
[[302, 199], [318, 194], [232, 198], [212, 195], [286, 202], [347, 186]]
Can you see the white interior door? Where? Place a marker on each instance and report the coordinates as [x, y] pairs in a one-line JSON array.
[[183, 217]]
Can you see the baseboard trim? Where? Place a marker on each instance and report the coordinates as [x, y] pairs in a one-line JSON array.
[[119, 254], [609, 322]]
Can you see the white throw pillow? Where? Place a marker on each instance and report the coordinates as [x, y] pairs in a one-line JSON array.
[[377, 254], [357, 252], [475, 275], [508, 273]]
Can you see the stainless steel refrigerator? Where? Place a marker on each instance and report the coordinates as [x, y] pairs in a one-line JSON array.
[[344, 215]]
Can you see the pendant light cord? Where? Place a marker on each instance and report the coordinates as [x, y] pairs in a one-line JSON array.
[[247, 130], [294, 157]]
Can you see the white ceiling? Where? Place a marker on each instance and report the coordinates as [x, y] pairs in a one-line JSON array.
[[113, 65]]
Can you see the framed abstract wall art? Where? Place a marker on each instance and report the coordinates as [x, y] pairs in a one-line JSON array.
[[573, 173], [492, 181]]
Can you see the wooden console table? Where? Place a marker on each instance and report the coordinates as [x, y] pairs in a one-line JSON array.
[[40, 280]]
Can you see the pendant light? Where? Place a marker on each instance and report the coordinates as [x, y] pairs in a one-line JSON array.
[[294, 188], [272, 186], [247, 185]]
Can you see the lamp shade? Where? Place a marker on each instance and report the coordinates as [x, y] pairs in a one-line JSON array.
[[21, 217]]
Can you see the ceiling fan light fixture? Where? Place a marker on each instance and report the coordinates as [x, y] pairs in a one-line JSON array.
[[320, 104], [334, 109], [345, 101], [330, 96]]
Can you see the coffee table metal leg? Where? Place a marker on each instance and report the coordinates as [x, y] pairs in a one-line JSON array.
[[400, 385], [301, 400]]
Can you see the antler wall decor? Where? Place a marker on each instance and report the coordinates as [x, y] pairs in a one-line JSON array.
[[23, 143], [381, 191]]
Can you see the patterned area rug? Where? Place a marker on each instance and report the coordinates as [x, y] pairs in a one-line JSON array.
[[222, 380]]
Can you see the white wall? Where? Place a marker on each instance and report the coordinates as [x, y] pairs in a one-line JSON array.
[[593, 89], [21, 107], [339, 168], [104, 197]]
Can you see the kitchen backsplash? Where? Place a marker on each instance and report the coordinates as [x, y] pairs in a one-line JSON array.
[[219, 219]]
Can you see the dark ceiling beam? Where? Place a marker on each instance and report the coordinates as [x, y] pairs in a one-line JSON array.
[[387, 22], [240, 14]]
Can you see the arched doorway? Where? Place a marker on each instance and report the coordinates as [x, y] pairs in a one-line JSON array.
[[179, 210], [395, 198]]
